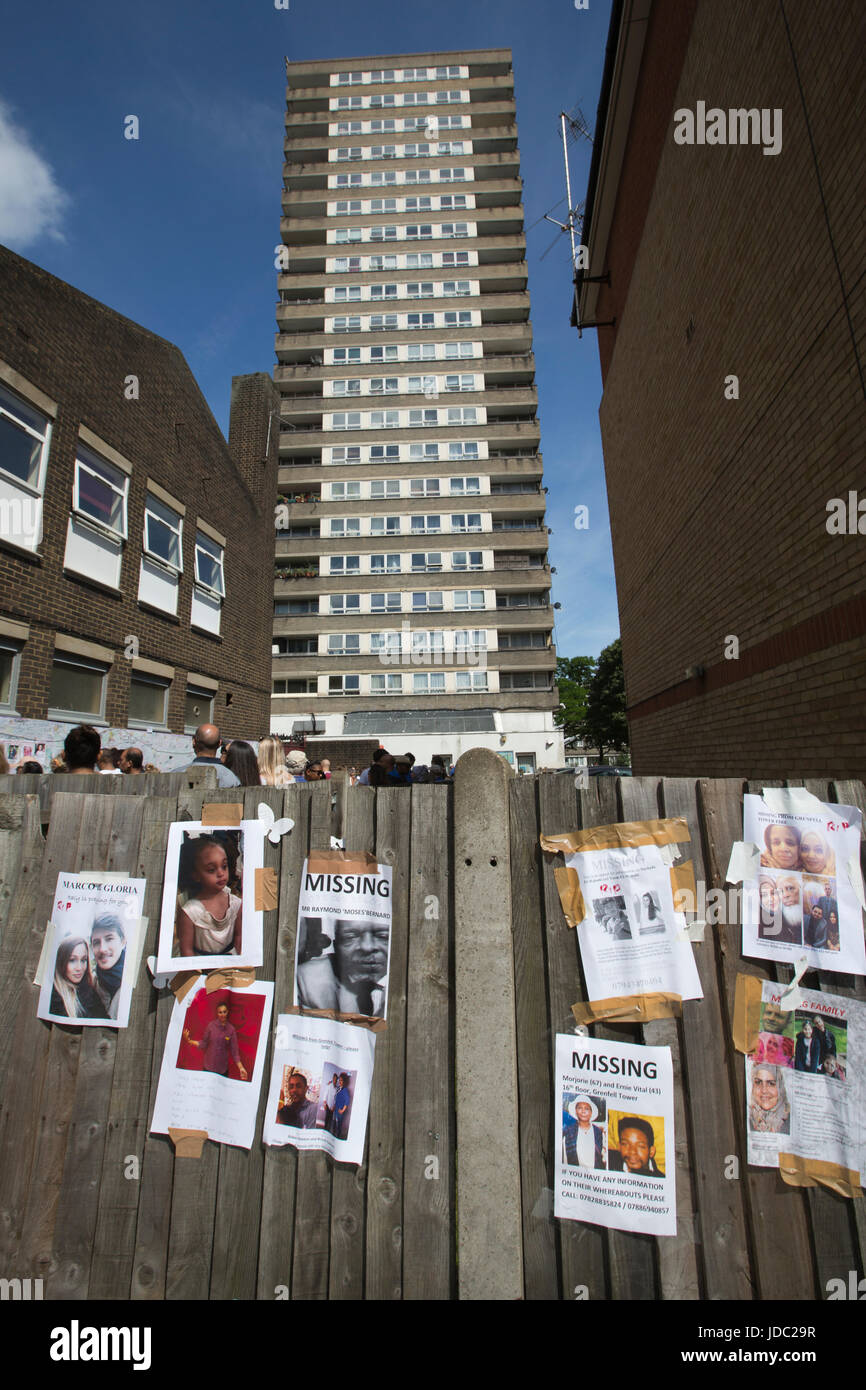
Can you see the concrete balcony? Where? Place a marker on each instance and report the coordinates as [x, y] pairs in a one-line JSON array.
[[494, 278], [513, 434], [496, 164], [304, 477], [504, 373], [304, 410], [300, 317], [298, 706], [308, 203], [312, 231], [510, 338]]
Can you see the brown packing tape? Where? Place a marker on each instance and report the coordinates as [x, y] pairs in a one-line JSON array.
[[797, 1171], [265, 899], [375, 1025], [624, 835], [182, 983], [747, 1013], [236, 977], [633, 1008], [570, 895], [188, 1143], [340, 861], [683, 881], [229, 813]]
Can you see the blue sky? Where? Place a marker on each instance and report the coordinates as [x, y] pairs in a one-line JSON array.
[[177, 229]]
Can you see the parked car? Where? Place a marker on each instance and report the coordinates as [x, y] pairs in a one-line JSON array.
[[603, 771]]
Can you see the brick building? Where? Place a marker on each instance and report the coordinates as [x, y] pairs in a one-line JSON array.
[[136, 546], [733, 405], [412, 587]]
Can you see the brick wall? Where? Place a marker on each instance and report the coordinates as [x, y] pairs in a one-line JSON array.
[[79, 353], [718, 507]]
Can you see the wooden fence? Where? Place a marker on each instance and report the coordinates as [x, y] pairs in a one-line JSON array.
[[462, 1116]]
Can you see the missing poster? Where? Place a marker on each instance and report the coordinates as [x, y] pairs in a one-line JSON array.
[[631, 939], [209, 915], [804, 901], [92, 954], [212, 1066], [615, 1135], [320, 1086], [343, 945], [804, 1086]]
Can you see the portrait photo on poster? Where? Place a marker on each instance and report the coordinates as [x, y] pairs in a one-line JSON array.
[[319, 1091], [343, 942], [92, 951], [212, 1063], [209, 916]]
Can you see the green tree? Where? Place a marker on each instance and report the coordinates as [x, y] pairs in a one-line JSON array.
[[573, 677], [605, 724]]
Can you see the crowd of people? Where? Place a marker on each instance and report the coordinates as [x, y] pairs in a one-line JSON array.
[[236, 762]]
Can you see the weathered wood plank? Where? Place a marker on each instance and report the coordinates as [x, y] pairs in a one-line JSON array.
[[21, 852], [428, 1195], [384, 1267], [582, 1247]]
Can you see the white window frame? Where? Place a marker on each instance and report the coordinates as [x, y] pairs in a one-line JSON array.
[[14, 649], [9, 401], [214, 551], [166, 516], [106, 473], [160, 683], [78, 716]]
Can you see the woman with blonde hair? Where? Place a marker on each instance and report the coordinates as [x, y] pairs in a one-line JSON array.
[[272, 763], [74, 994]]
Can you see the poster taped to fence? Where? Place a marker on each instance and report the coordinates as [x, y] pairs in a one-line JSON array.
[[806, 898], [631, 939], [615, 1135], [212, 1065], [804, 1081], [320, 1086], [343, 944], [92, 954], [210, 916]]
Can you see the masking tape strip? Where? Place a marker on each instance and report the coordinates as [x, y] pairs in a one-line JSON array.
[[570, 895], [188, 1143], [792, 997], [237, 977], [624, 835], [634, 1008], [227, 813], [683, 881], [744, 862], [693, 931], [747, 1013], [375, 1025], [335, 861], [797, 1171], [265, 897], [181, 984]]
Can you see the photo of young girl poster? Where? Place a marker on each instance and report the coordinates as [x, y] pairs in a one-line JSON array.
[[209, 917]]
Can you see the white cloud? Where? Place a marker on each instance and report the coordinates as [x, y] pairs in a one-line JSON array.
[[32, 204]]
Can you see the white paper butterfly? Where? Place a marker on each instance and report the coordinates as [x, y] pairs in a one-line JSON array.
[[337, 844], [273, 828]]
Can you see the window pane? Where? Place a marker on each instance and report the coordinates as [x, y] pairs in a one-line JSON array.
[[7, 661], [161, 540], [19, 451], [77, 688], [101, 493], [147, 701]]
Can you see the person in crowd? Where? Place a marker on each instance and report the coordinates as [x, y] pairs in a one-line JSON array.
[[584, 1145], [298, 1112], [815, 928], [807, 1050], [131, 761], [636, 1153], [108, 944], [420, 774], [242, 761], [438, 770], [769, 1109], [296, 762], [108, 761], [380, 753], [326, 768], [351, 980], [4, 761], [380, 772], [313, 772], [224, 749], [210, 922], [353, 776], [782, 847], [342, 1106], [74, 993], [401, 772], [272, 763], [816, 855], [58, 763], [152, 767], [220, 1041], [205, 745], [81, 749], [30, 766]]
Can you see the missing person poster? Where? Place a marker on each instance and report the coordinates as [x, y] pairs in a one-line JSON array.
[[343, 945], [320, 1086], [804, 1081], [92, 953], [805, 900], [614, 1144], [631, 939], [212, 1066], [209, 914]]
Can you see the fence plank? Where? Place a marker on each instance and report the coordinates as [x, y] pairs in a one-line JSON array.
[[428, 1194], [21, 852], [582, 1247]]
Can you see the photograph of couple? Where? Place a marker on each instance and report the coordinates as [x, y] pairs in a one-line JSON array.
[[317, 1103], [88, 972]]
